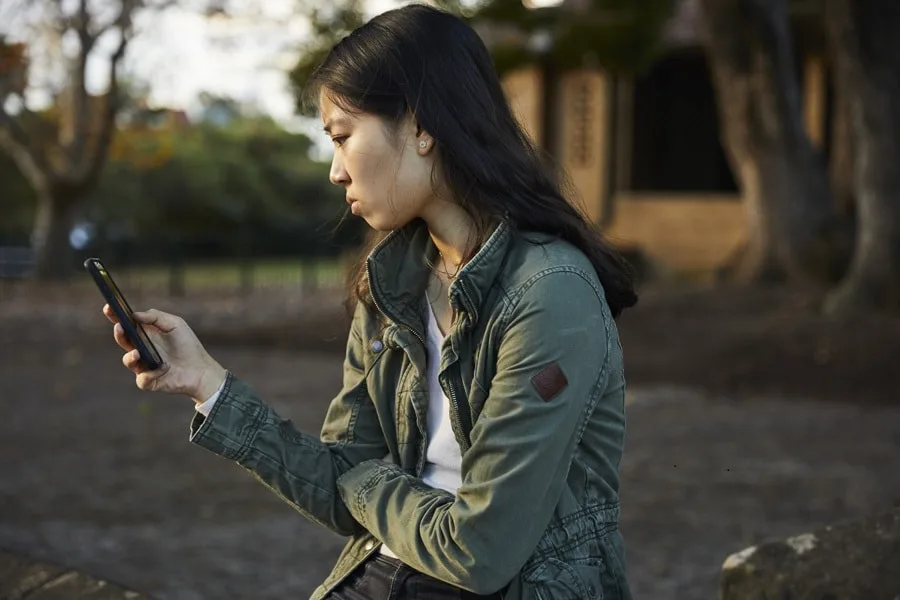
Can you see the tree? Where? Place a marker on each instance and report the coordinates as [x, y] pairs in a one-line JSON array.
[[615, 34], [793, 227], [63, 169], [17, 203], [866, 50], [328, 25]]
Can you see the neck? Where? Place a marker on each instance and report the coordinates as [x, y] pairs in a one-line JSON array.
[[454, 233]]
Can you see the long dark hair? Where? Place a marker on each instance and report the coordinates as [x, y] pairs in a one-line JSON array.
[[421, 60]]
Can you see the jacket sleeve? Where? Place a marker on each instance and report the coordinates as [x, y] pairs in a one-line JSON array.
[[551, 359], [297, 466]]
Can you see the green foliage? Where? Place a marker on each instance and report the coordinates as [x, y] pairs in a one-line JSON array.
[[328, 26], [219, 182]]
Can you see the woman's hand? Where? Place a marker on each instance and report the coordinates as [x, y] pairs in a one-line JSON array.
[[187, 368]]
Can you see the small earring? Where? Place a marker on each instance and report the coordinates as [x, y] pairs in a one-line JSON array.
[[423, 144]]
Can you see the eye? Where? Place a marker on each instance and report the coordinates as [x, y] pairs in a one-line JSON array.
[[339, 140]]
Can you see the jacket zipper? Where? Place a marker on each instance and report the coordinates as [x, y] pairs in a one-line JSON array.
[[453, 401]]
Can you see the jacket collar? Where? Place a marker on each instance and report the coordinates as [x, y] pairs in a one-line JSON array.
[[398, 273]]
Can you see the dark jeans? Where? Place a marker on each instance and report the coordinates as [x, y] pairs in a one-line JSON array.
[[385, 578]]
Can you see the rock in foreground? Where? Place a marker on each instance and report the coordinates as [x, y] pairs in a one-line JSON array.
[[855, 560], [22, 577]]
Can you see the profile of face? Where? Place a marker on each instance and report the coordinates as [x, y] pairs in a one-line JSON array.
[[385, 169]]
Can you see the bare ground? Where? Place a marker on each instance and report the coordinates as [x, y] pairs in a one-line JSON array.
[[728, 441]]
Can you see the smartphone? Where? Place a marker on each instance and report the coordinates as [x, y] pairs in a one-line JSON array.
[[133, 330]]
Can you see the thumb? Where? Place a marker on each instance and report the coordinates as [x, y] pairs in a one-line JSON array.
[[163, 321]]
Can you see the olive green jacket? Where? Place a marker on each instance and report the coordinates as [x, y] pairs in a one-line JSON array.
[[532, 367]]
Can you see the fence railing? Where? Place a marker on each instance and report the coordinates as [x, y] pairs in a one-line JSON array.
[[16, 262], [232, 278]]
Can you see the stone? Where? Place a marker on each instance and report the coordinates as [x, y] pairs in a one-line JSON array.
[[24, 577], [852, 560]]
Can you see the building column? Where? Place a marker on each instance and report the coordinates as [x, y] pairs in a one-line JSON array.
[[523, 88], [814, 99], [582, 112]]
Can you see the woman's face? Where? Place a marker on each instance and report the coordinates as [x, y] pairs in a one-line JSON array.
[[387, 175]]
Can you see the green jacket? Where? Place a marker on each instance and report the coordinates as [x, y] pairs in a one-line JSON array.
[[533, 370]]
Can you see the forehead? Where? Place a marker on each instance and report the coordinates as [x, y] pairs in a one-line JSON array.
[[332, 114]]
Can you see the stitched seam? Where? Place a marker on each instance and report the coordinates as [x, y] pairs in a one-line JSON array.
[[573, 542], [238, 448], [370, 484], [512, 300], [358, 398], [390, 595], [255, 428]]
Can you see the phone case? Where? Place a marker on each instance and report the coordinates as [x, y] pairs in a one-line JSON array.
[[116, 300]]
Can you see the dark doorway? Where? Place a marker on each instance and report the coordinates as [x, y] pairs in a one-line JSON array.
[[676, 144]]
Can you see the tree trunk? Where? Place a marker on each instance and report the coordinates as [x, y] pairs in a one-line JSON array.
[[792, 227], [864, 39], [53, 226]]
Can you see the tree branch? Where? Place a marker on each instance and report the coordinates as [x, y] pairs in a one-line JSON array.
[[14, 140], [79, 106], [94, 158]]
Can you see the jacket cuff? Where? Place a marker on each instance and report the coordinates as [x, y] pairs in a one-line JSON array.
[[231, 426], [356, 484]]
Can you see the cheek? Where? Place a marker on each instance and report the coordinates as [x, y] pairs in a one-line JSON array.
[[371, 169], [414, 182]]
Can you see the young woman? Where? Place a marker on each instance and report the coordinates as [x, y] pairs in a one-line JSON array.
[[474, 447]]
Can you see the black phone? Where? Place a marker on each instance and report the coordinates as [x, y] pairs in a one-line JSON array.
[[133, 330]]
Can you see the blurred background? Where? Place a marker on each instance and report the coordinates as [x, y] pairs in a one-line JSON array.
[[742, 154]]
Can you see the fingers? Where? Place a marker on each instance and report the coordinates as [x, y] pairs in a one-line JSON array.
[[122, 339], [163, 321], [149, 381], [145, 379], [132, 361], [110, 314]]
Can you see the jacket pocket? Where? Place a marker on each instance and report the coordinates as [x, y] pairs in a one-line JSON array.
[[579, 579]]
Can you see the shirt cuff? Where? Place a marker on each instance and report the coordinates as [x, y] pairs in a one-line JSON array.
[[205, 407]]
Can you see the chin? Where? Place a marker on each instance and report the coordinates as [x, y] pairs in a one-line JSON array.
[[380, 224]]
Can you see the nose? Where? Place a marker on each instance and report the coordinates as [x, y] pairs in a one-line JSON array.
[[338, 174]]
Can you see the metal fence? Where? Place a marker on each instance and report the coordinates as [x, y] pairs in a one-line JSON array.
[[16, 262], [237, 277]]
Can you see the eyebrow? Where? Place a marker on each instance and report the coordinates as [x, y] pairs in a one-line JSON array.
[[338, 121]]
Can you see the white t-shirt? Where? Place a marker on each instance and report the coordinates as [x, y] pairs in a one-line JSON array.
[[443, 459]]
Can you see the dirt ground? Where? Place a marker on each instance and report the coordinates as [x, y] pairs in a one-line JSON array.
[[729, 440]]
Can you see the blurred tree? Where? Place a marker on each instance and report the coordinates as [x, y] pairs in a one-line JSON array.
[[794, 230], [17, 204], [863, 36], [328, 25], [62, 152], [217, 182], [61, 171], [615, 34]]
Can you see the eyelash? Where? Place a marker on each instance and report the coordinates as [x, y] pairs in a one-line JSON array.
[[339, 140]]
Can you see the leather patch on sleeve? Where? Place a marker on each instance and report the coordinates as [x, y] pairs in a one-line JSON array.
[[550, 381]]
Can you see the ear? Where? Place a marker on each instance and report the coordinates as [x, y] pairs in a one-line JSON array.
[[424, 141]]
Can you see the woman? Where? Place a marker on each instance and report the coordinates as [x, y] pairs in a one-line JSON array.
[[473, 450]]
